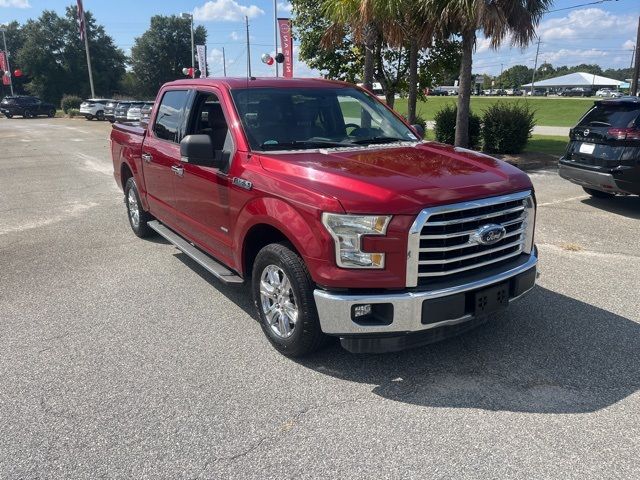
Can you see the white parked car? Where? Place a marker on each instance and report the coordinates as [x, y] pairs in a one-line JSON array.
[[133, 114], [94, 108]]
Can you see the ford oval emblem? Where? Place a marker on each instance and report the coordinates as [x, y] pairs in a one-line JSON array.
[[489, 234]]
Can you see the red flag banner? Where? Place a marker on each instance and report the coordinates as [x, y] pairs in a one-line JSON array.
[[81, 25], [6, 80], [286, 41]]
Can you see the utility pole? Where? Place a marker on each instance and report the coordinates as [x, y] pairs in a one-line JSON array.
[[224, 63], [6, 55], [636, 68], [86, 49], [246, 21], [275, 31], [535, 66]]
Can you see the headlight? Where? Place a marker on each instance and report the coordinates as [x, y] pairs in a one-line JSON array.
[[347, 232], [529, 223]]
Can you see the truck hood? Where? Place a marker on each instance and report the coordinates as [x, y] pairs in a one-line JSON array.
[[397, 179]]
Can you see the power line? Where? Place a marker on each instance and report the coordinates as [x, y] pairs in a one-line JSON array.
[[581, 5]]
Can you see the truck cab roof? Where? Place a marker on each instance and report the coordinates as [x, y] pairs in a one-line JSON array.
[[260, 82]]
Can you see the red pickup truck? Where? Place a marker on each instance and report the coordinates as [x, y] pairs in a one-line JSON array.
[[344, 221]]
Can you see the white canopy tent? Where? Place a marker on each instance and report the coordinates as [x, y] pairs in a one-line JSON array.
[[577, 79]]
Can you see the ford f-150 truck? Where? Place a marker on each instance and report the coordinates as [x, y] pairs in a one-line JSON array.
[[344, 221]]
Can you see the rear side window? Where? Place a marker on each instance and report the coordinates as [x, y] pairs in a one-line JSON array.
[[613, 115], [169, 115]]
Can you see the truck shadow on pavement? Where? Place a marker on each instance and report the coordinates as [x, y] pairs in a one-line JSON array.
[[625, 206], [548, 354]]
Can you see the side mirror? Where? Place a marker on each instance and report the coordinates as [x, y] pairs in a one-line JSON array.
[[198, 150], [419, 130]]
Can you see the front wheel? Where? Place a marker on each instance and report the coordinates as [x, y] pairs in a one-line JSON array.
[[283, 295], [8, 115], [100, 115], [89, 117], [27, 114], [138, 217], [597, 193]]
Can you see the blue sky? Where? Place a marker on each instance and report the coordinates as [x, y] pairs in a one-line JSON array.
[[602, 33]]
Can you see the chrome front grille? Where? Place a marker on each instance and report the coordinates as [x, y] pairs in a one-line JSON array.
[[443, 240]]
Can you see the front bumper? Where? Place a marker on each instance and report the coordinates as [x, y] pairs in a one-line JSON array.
[[409, 320], [603, 182]]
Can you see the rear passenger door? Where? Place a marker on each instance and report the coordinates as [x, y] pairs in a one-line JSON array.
[[161, 155]]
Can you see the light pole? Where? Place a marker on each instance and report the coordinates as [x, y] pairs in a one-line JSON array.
[[193, 67], [6, 55]]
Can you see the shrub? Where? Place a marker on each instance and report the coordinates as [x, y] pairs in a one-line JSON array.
[[73, 112], [507, 127], [445, 126], [70, 101]]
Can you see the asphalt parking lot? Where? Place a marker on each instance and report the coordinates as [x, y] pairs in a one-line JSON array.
[[120, 358]]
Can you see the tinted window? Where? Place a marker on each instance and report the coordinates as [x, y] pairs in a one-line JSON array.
[[170, 115], [612, 115], [300, 118]]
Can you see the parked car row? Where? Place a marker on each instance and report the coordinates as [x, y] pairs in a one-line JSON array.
[[25, 106], [114, 110], [129, 111]]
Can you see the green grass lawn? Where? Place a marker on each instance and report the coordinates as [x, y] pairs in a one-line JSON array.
[[548, 144], [550, 111]]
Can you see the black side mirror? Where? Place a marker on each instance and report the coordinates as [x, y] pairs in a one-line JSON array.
[[419, 130], [198, 150]]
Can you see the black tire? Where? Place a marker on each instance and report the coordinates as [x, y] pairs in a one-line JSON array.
[[89, 117], [100, 115], [8, 115], [141, 229], [27, 114], [597, 193], [51, 113], [306, 336]]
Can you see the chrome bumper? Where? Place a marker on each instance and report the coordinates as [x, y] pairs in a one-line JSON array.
[[334, 310], [603, 182]]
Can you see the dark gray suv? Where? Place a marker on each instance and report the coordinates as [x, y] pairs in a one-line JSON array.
[[603, 155]]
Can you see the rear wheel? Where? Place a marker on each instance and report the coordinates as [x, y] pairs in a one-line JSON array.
[[89, 117], [51, 113], [138, 217], [283, 295], [597, 193], [8, 115], [27, 114]]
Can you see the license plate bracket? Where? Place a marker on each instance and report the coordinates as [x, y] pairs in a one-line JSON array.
[[587, 148], [492, 299]]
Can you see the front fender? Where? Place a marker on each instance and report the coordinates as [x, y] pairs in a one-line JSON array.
[[302, 227]]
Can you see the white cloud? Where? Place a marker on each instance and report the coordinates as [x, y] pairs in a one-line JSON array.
[[225, 10], [629, 45], [235, 36], [284, 7], [580, 24], [15, 3]]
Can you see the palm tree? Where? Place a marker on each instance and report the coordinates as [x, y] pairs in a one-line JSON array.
[[393, 22], [496, 19]]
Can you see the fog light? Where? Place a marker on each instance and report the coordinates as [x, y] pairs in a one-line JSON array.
[[361, 310]]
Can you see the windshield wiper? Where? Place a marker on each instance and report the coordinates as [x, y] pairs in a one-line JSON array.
[[301, 144], [380, 140]]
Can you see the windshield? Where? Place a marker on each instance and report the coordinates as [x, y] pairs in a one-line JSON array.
[[305, 118], [612, 115]]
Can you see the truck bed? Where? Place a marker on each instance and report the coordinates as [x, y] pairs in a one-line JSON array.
[[126, 143]]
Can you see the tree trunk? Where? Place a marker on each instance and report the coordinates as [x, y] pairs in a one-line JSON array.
[[413, 81], [370, 36], [464, 89]]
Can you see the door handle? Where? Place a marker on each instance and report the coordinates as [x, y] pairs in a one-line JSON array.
[[147, 157], [177, 170]]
